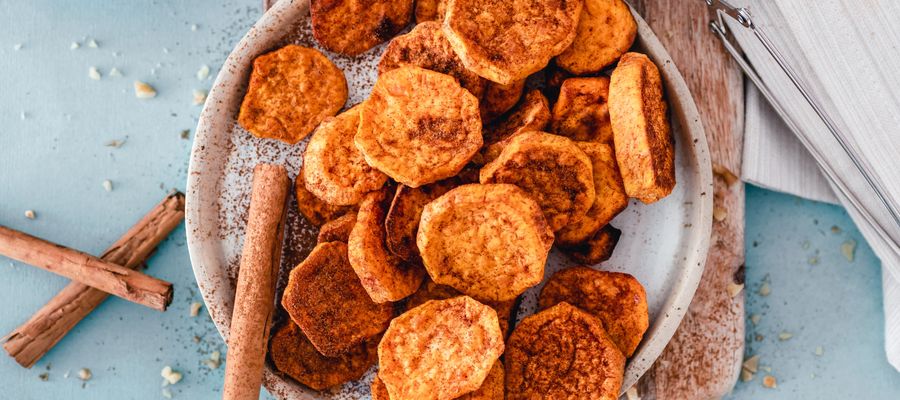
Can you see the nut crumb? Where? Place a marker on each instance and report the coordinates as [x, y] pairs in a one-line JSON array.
[[195, 309], [17, 46], [143, 90], [754, 319], [84, 374], [203, 72], [770, 382], [785, 335], [170, 376], [765, 290], [848, 249], [115, 143], [186, 134], [725, 173], [74, 46], [632, 394], [214, 360], [719, 213], [94, 73], [199, 97], [93, 44], [115, 73], [751, 364], [30, 214], [44, 376], [734, 288], [820, 351], [107, 185], [835, 229], [194, 27], [746, 376]]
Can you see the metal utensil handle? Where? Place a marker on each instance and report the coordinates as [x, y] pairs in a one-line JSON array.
[[722, 8]]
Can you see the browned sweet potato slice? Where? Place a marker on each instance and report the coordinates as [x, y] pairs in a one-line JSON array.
[[433, 291], [498, 99], [291, 91], [402, 221], [532, 114], [295, 356], [337, 230], [562, 353], [440, 350], [605, 31], [552, 169], [644, 145], [385, 276], [316, 211], [581, 112], [609, 202], [352, 27], [618, 299], [597, 249], [326, 300]]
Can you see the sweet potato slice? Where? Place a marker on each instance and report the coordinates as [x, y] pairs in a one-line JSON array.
[[532, 114], [597, 249], [325, 299], [645, 148], [610, 199], [337, 230], [316, 211], [402, 220], [291, 91], [605, 31], [498, 99], [581, 112], [352, 27], [618, 299], [440, 350]]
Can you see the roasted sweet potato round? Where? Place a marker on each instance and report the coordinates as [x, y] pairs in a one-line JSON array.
[[384, 276], [419, 126], [609, 201], [440, 350], [352, 27], [326, 300], [507, 40], [550, 168], [645, 148], [316, 211], [295, 356], [597, 249], [581, 113], [487, 241], [433, 291], [426, 47], [605, 31], [491, 388], [291, 91], [337, 230], [532, 114], [402, 220], [618, 299], [334, 169], [498, 99], [430, 10], [562, 353]]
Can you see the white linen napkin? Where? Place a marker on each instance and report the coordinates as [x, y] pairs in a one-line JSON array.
[[846, 52]]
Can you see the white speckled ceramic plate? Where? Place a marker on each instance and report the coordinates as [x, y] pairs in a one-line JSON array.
[[663, 244]]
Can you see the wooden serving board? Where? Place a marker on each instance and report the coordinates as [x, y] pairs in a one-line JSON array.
[[703, 360]]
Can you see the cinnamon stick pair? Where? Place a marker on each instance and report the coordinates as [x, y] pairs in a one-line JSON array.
[[29, 342]]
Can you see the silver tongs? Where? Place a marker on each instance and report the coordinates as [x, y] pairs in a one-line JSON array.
[[721, 9]]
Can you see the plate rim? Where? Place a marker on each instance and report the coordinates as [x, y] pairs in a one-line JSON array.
[[281, 18]]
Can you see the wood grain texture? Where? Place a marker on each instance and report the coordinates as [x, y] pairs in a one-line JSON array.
[[703, 359]]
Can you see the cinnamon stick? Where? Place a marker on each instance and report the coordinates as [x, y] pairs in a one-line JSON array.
[[255, 295], [29, 342], [85, 268]]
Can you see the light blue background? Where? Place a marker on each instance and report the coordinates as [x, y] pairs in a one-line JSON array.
[[54, 162]]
